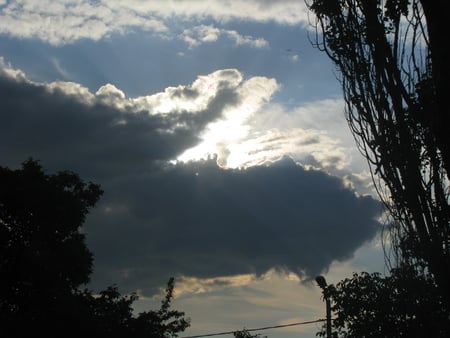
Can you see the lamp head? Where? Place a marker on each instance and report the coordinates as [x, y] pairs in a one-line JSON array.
[[321, 282]]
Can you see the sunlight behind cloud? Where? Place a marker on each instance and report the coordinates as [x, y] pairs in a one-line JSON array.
[[219, 140], [241, 140], [222, 137], [233, 118]]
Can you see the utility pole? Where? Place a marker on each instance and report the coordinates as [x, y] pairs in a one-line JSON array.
[[323, 284]]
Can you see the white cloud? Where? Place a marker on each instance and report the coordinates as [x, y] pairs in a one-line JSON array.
[[69, 89], [208, 33], [281, 11], [8, 71], [246, 39], [199, 34], [308, 146], [68, 21], [190, 98], [113, 96]]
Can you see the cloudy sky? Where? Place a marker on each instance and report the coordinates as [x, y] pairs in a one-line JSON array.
[[217, 132]]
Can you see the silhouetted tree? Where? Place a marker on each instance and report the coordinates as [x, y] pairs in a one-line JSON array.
[[162, 323], [44, 261], [403, 304], [390, 59], [44, 258], [110, 314]]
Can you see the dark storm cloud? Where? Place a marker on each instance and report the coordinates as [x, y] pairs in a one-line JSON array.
[[199, 220], [158, 220]]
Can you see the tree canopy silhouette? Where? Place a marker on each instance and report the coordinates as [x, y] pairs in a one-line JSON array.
[[44, 258], [403, 304], [44, 261], [389, 56]]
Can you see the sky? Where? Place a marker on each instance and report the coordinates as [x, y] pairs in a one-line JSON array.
[[218, 134]]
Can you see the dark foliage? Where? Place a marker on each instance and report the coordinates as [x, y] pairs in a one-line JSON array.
[[44, 258], [403, 304], [44, 261]]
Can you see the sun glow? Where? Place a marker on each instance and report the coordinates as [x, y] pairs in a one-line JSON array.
[[232, 138], [222, 139]]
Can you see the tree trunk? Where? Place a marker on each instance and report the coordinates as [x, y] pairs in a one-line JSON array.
[[436, 14]]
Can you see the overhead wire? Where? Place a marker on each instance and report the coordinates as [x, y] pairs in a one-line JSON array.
[[257, 329]]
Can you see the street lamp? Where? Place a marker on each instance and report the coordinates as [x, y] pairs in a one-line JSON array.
[[323, 284]]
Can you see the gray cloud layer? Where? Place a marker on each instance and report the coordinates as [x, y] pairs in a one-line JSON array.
[[158, 219], [199, 220]]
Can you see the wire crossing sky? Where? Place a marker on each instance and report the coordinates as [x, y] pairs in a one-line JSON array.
[[259, 329]]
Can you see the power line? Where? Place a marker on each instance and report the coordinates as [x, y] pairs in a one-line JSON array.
[[258, 329]]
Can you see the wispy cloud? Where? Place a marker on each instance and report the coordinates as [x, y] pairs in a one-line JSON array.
[[208, 33], [60, 69], [67, 21]]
